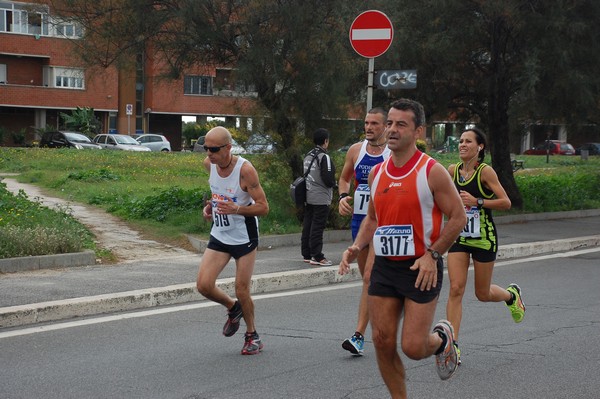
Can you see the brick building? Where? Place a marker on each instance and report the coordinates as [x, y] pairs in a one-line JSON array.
[[40, 77]]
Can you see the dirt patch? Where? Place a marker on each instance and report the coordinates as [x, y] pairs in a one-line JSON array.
[[112, 234]]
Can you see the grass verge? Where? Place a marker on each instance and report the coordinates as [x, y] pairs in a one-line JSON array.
[[162, 194]]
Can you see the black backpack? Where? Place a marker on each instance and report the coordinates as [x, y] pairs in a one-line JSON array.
[[298, 187]]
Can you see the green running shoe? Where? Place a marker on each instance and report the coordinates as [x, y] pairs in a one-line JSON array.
[[517, 309], [458, 361]]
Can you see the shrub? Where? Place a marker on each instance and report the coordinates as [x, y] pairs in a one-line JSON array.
[[28, 228]]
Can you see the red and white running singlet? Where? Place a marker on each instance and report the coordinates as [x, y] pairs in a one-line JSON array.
[[408, 220]]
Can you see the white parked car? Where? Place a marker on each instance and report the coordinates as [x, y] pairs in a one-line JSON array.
[[156, 142], [119, 142]]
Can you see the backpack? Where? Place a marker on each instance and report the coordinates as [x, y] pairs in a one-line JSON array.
[[298, 187]]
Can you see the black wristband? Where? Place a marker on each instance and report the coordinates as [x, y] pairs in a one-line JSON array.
[[342, 196]]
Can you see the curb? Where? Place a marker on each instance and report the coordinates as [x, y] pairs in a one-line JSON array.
[[21, 315], [14, 316], [26, 263], [541, 247]]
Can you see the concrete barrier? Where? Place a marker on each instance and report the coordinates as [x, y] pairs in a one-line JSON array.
[[27, 263], [13, 316]]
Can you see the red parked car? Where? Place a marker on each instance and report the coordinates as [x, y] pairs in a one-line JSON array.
[[555, 147]]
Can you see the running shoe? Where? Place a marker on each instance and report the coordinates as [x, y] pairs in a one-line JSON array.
[[457, 349], [517, 308], [306, 260], [322, 262], [354, 344], [446, 361], [252, 344], [233, 320]]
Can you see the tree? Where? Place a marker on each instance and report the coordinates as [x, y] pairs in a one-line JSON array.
[[501, 64], [295, 52], [82, 120]]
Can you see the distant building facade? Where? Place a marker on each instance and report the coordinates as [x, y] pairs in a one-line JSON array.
[[41, 76]]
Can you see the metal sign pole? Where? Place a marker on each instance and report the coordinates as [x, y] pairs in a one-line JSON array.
[[370, 84]]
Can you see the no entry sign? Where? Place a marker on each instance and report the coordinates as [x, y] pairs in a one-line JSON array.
[[371, 34]]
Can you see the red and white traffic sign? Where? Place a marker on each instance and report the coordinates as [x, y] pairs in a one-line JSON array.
[[371, 34]]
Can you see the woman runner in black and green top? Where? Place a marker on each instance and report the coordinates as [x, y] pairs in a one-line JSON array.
[[480, 191]]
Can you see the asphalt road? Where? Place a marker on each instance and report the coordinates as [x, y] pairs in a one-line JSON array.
[[179, 352]]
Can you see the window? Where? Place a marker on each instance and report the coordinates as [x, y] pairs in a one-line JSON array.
[[68, 78], [197, 85], [66, 28], [3, 74], [23, 18], [226, 79]]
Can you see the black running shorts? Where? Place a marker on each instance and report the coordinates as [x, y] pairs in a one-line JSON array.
[[478, 254], [392, 278], [236, 251]]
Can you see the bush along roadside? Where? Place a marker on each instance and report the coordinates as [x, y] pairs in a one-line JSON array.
[[27, 228]]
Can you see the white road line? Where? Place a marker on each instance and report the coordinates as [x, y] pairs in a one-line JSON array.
[[172, 309], [157, 311]]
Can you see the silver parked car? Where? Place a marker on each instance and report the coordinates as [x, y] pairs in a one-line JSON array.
[[156, 142], [121, 142], [236, 149], [260, 144]]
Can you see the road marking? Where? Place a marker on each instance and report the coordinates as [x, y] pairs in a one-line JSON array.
[[206, 304], [158, 311], [549, 256]]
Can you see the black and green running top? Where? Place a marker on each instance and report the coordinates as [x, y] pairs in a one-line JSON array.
[[480, 231]]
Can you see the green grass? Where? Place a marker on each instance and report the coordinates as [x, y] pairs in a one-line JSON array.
[[162, 194], [27, 228]]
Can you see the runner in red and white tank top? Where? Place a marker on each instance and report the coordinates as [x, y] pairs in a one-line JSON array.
[[409, 194]]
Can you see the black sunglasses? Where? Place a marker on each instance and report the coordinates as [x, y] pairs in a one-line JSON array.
[[213, 149]]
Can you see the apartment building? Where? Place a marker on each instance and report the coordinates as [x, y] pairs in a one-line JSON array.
[[41, 76]]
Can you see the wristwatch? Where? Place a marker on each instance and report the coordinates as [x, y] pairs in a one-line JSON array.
[[434, 254], [479, 203]]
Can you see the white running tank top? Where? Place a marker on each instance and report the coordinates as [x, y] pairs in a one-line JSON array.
[[231, 229]]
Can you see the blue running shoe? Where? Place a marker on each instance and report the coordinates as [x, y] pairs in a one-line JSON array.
[[354, 344]]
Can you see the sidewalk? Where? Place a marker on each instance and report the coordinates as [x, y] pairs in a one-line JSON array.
[[49, 295]]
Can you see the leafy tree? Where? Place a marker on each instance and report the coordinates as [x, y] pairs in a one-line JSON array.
[[295, 53], [82, 120], [502, 64], [192, 130]]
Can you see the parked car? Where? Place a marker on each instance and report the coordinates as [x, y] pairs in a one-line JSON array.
[[260, 144], [156, 142], [344, 148], [119, 142], [593, 149], [60, 139], [553, 147], [236, 149]]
